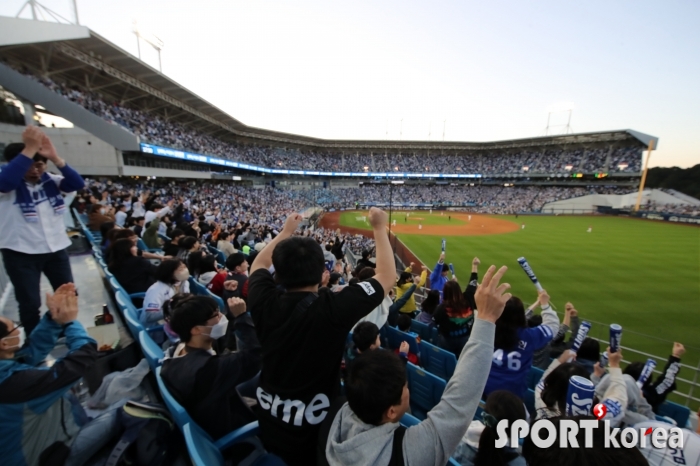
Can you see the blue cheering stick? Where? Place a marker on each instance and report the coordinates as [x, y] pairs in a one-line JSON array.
[[452, 268], [444, 244]]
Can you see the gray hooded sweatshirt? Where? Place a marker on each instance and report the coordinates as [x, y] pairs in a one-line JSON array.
[[352, 442]]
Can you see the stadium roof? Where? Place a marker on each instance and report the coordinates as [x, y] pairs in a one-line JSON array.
[[78, 55]]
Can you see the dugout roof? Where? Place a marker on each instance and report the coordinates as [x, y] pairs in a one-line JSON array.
[[75, 54]]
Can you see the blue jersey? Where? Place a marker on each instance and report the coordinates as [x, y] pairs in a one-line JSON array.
[[509, 368]]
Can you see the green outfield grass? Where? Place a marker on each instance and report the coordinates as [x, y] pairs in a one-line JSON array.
[[642, 275], [356, 219]]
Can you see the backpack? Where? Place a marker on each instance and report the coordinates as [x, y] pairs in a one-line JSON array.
[[149, 437]]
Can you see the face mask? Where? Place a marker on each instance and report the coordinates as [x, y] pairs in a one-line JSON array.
[[182, 275], [102, 211], [218, 330], [20, 339]]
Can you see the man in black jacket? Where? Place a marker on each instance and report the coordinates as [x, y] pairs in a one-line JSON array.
[[199, 379]]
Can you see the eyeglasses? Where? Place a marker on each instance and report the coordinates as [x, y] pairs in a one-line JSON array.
[[17, 325]]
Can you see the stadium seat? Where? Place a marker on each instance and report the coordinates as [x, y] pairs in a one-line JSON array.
[[204, 452], [423, 330], [219, 302], [665, 419], [129, 313], [409, 420], [395, 337], [178, 413], [678, 413], [437, 361], [426, 390], [115, 285], [434, 336], [151, 351], [530, 401], [197, 288], [220, 256], [533, 377]]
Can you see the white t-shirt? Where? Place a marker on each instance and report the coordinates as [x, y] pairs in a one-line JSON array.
[[46, 235], [689, 455]]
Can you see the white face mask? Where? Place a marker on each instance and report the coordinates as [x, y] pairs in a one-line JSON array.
[[102, 211], [218, 330], [182, 275], [19, 338]]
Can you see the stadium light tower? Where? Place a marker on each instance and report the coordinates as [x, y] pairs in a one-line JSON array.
[[562, 107], [151, 39], [40, 12]]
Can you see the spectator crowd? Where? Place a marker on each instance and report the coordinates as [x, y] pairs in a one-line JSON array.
[[302, 341], [154, 129]]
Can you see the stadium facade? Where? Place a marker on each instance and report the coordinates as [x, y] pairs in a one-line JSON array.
[[40, 63]]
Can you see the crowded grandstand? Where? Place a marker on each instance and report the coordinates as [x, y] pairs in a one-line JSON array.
[[240, 330]]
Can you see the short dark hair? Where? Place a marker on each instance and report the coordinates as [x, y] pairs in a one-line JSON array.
[[298, 262], [188, 311], [366, 273], [166, 269], [194, 262], [234, 260], [445, 268], [534, 321], [375, 383], [404, 278], [223, 235], [404, 323], [589, 350], [187, 242], [121, 233], [14, 149], [556, 385], [364, 335], [175, 233], [105, 228], [335, 278]]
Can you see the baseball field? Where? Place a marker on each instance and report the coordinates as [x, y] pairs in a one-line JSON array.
[[643, 275]]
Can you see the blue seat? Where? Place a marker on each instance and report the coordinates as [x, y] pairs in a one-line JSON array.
[[409, 420], [434, 336], [197, 288], [204, 452], [220, 256], [677, 412], [437, 361], [665, 419], [395, 337], [141, 245], [130, 314], [530, 401], [178, 413], [423, 330], [151, 351], [426, 390], [219, 302], [115, 285], [533, 377]]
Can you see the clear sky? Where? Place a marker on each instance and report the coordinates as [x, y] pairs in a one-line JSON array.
[[491, 70]]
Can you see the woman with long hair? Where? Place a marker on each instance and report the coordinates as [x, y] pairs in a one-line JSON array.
[[515, 344], [550, 393], [454, 319], [171, 278], [135, 274], [478, 446]]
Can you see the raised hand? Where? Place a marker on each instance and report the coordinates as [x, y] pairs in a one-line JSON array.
[[491, 296], [292, 223], [614, 359], [598, 370], [404, 347], [567, 356], [237, 306], [230, 285], [543, 298], [48, 150], [63, 304], [678, 349], [377, 218], [32, 137], [476, 261]]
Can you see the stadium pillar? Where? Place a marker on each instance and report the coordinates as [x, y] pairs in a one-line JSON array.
[[391, 197], [644, 175]]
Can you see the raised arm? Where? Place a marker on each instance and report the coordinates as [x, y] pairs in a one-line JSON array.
[[386, 267], [264, 258], [433, 441], [666, 382], [12, 174], [437, 271], [71, 181]]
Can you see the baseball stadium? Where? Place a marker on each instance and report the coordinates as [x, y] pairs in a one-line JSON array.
[[157, 159]]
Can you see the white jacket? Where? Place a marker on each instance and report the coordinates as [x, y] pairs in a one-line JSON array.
[[156, 295]]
